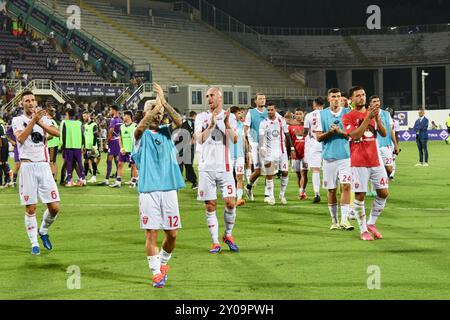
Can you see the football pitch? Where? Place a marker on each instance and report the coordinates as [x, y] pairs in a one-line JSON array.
[[287, 252]]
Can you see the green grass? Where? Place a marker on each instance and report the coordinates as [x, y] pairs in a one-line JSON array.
[[287, 252]]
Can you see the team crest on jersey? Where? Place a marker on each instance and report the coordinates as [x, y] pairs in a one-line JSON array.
[[368, 134], [145, 219], [157, 142], [356, 185], [275, 133], [201, 193], [26, 198]]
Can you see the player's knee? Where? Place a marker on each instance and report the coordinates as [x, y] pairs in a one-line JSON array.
[[346, 187], [230, 204], [383, 193], [171, 235], [53, 208], [210, 206], [31, 210]]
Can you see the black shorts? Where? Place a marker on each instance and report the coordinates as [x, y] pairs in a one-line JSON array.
[[4, 153], [53, 152]]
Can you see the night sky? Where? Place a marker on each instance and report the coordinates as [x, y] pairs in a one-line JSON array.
[[324, 13]]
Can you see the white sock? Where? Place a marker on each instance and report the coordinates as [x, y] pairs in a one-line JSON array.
[[230, 219], [248, 173], [333, 209], [164, 256], [345, 212], [300, 190], [32, 229], [316, 182], [360, 211], [47, 221], [377, 207], [239, 193], [269, 188], [284, 184], [154, 264], [393, 169], [266, 189], [213, 226]]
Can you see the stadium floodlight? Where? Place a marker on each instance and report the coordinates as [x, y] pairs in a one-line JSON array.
[[393, 28], [336, 29], [424, 75]]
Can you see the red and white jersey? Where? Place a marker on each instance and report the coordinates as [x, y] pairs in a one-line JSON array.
[[298, 141], [364, 151], [215, 153], [274, 132], [313, 124], [34, 147]]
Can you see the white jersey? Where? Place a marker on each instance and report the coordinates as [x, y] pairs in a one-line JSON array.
[[274, 132], [215, 153], [313, 123], [396, 125], [34, 147]]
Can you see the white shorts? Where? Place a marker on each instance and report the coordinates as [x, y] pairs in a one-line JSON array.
[[208, 181], [279, 162], [159, 210], [387, 156], [334, 170], [35, 180], [362, 175], [299, 165], [314, 158], [239, 165], [256, 161]]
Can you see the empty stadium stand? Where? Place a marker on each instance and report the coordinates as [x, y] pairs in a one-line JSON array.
[[180, 51]]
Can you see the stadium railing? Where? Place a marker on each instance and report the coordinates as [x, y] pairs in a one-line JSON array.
[[289, 31]]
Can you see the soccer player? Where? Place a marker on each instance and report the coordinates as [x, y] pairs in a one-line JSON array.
[[52, 143], [160, 179], [313, 148], [362, 125], [12, 139], [126, 147], [336, 159], [91, 152], [113, 141], [185, 143], [251, 127], [273, 134], [238, 154], [387, 145], [36, 178], [215, 130], [395, 136], [4, 153], [73, 142], [299, 165]]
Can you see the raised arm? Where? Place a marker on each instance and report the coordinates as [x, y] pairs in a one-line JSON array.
[[231, 132], [200, 136], [177, 120], [147, 120], [380, 127], [22, 135]]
